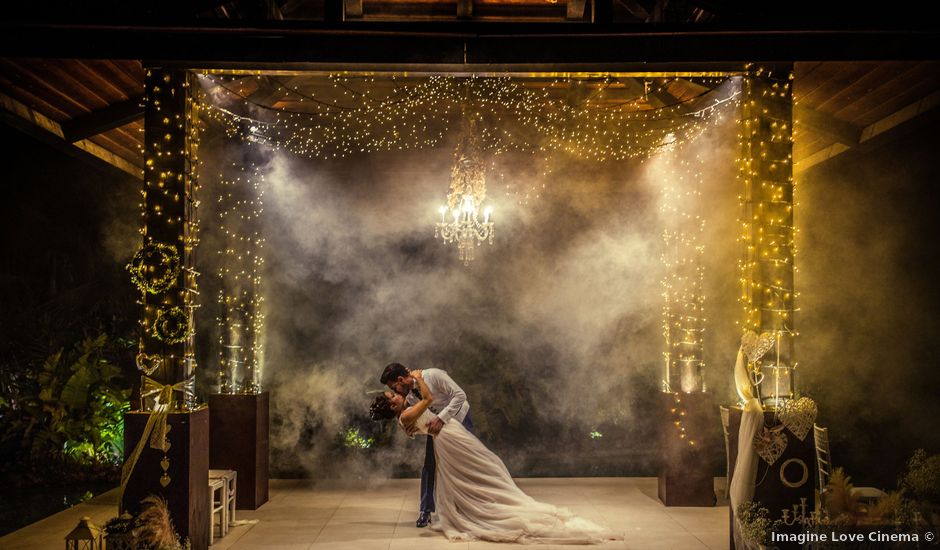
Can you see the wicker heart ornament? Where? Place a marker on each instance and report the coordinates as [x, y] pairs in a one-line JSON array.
[[755, 346], [770, 443], [798, 415]]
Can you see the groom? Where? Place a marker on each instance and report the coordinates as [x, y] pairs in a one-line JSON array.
[[450, 402]]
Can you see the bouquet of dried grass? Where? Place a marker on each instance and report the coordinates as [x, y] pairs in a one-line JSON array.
[[155, 528]]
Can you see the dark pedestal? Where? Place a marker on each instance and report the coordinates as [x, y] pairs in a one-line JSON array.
[[686, 477], [240, 426], [782, 484], [188, 491]]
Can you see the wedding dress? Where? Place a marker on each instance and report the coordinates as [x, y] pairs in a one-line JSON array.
[[476, 497]]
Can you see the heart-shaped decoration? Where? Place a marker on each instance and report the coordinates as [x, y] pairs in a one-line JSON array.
[[770, 443], [754, 346], [148, 363], [798, 415], [756, 377], [164, 479], [165, 464]]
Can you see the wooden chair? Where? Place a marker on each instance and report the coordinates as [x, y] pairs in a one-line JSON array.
[[230, 478], [725, 422], [824, 468], [217, 508]]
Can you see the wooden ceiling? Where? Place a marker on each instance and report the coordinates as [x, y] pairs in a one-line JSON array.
[[96, 105]]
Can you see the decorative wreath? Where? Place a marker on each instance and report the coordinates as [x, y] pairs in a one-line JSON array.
[[171, 325], [155, 268]]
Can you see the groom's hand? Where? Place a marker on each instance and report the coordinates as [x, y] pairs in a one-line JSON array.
[[434, 426]]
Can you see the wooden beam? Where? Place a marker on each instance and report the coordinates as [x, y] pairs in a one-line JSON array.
[[636, 9], [464, 9], [113, 116], [602, 12], [843, 132], [875, 134], [347, 45], [352, 9], [575, 10], [36, 124]]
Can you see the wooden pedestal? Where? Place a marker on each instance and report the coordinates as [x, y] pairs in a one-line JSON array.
[[187, 494], [240, 427], [780, 485], [686, 477]]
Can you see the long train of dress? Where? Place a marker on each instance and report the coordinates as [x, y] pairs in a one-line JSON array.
[[476, 498]]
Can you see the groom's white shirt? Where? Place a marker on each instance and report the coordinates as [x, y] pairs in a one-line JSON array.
[[449, 400]]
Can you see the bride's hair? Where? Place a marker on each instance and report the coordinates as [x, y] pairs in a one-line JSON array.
[[381, 408]]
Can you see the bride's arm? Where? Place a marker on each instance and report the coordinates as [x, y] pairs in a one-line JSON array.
[[409, 415]]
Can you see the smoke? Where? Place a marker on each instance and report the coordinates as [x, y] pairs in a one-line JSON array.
[[868, 345], [554, 331]]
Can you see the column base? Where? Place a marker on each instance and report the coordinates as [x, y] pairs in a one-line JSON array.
[[686, 477], [239, 441], [187, 493]]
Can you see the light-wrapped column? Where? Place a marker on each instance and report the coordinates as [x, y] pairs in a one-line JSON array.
[[170, 230], [684, 301], [767, 266]]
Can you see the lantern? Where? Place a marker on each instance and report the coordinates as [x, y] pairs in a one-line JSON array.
[[85, 536]]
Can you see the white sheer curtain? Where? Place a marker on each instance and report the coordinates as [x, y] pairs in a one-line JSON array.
[[745, 467]]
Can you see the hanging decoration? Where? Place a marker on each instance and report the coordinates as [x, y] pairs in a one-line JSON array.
[[798, 416], [770, 443], [518, 114], [171, 325], [754, 348], [155, 268], [466, 195], [148, 363]]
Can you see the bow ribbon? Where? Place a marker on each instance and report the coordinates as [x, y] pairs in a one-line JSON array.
[[157, 428]]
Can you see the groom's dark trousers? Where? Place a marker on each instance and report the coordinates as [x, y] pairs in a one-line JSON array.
[[430, 468]]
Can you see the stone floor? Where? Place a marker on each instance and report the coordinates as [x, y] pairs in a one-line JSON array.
[[313, 515]]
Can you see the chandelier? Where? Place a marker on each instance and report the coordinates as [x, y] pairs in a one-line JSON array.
[[466, 195]]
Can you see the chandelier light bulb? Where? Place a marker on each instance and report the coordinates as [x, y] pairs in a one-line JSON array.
[[468, 206]]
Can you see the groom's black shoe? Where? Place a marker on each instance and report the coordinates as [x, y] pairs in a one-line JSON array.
[[424, 518]]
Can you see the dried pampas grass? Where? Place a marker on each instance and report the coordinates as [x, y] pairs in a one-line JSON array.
[[155, 527]]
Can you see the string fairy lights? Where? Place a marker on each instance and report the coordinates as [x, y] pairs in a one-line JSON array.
[[163, 268], [414, 112], [241, 323], [767, 230], [682, 284]]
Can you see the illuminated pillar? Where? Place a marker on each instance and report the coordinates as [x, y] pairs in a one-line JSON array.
[[684, 301], [685, 476], [170, 219], [240, 262], [172, 464], [767, 269]]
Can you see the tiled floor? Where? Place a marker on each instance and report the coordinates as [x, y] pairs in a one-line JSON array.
[[313, 515]]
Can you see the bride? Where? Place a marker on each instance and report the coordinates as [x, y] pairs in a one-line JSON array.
[[475, 495]]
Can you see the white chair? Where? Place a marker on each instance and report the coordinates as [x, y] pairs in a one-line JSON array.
[[217, 508], [230, 479], [824, 464], [725, 422]]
